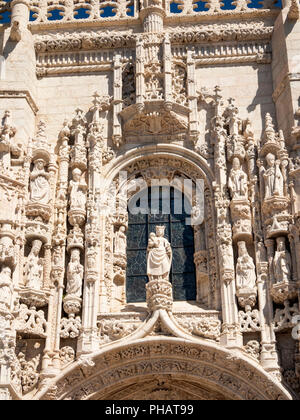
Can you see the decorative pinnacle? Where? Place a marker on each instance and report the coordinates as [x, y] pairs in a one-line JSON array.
[[269, 123], [217, 90], [96, 100]]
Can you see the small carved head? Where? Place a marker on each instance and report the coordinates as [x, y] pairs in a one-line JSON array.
[[36, 247], [242, 248], [40, 164], [76, 174], [236, 164], [75, 256], [270, 158], [281, 243], [160, 231]]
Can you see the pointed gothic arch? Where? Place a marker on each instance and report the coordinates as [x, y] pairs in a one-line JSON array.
[[203, 369], [174, 164]]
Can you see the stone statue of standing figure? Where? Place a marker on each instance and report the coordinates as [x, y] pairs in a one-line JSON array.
[[120, 241], [77, 190], [39, 183], [273, 178], [75, 274], [245, 269], [238, 181], [282, 262], [34, 267], [159, 255]]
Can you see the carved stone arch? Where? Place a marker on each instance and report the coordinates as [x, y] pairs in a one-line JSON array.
[[172, 163], [201, 370], [198, 165]]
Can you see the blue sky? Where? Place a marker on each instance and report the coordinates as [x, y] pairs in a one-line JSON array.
[[108, 12]]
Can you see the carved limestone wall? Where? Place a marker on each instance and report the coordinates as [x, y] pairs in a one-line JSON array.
[[95, 110]]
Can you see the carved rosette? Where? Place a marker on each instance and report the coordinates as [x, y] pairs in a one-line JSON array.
[[159, 295]]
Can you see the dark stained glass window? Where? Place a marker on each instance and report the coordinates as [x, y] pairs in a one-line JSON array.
[[178, 232]]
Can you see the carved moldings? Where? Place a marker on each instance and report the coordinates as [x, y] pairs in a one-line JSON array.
[[201, 325], [31, 321], [132, 361], [115, 327], [283, 318], [61, 225], [156, 120]]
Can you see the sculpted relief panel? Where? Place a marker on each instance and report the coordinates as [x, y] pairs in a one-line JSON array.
[[98, 294]]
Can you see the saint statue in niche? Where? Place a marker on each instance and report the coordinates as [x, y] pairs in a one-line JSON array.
[[39, 183], [159, 255], [75, 274], [78, 189], [120, 241], [282, 262], [273, 177], [238, 181], [34, 267], [245, 269]]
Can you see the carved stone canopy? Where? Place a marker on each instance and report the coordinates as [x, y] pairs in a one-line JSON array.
[[156, 118]]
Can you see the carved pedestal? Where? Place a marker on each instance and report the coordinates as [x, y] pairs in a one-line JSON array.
[[159, 295], [247, 298], [72, 304], [33, 298], [283, 291]]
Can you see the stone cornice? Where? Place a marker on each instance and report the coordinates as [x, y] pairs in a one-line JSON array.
[[90, 40], [83, 41], [229, 52], [53, 63], [20, 94], [243, 31]]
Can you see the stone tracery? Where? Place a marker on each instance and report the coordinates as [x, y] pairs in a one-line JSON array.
[[64, 222]]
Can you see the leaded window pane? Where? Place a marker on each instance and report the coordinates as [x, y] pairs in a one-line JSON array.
[[179, 234], [136, 288]]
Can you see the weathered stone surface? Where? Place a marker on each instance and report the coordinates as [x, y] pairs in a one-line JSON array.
[[206, 100]]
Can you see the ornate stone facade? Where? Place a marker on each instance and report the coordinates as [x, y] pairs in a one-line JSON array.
[[99, 103]]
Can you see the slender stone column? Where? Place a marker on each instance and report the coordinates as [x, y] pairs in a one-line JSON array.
[[117, 101], [168, 68], [140, 73], [192, 96]]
